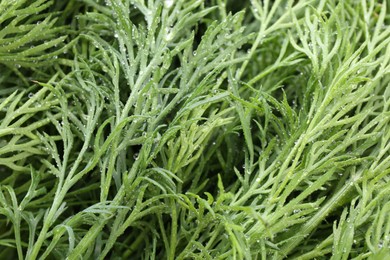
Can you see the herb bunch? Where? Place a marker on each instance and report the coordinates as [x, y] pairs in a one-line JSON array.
[[194, 129]]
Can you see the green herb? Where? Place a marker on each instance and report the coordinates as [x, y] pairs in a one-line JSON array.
[[192, 129]]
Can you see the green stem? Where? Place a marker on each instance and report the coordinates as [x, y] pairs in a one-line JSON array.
[[173, 242], [307, 228], [48, 222]]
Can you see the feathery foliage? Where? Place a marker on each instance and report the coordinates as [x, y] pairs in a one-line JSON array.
[[193, 129]]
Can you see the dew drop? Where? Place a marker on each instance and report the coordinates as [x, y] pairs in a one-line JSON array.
[[168, 34], [168, 3], [296, 211]]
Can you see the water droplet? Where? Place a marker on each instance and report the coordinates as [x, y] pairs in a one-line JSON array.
[[194, 53], [30, 95], [168, 3], [168, 34]]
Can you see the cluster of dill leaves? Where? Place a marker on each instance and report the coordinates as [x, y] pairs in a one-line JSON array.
[[194, 129]]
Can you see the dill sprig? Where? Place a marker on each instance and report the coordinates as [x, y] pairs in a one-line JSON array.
[[194, 129]]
